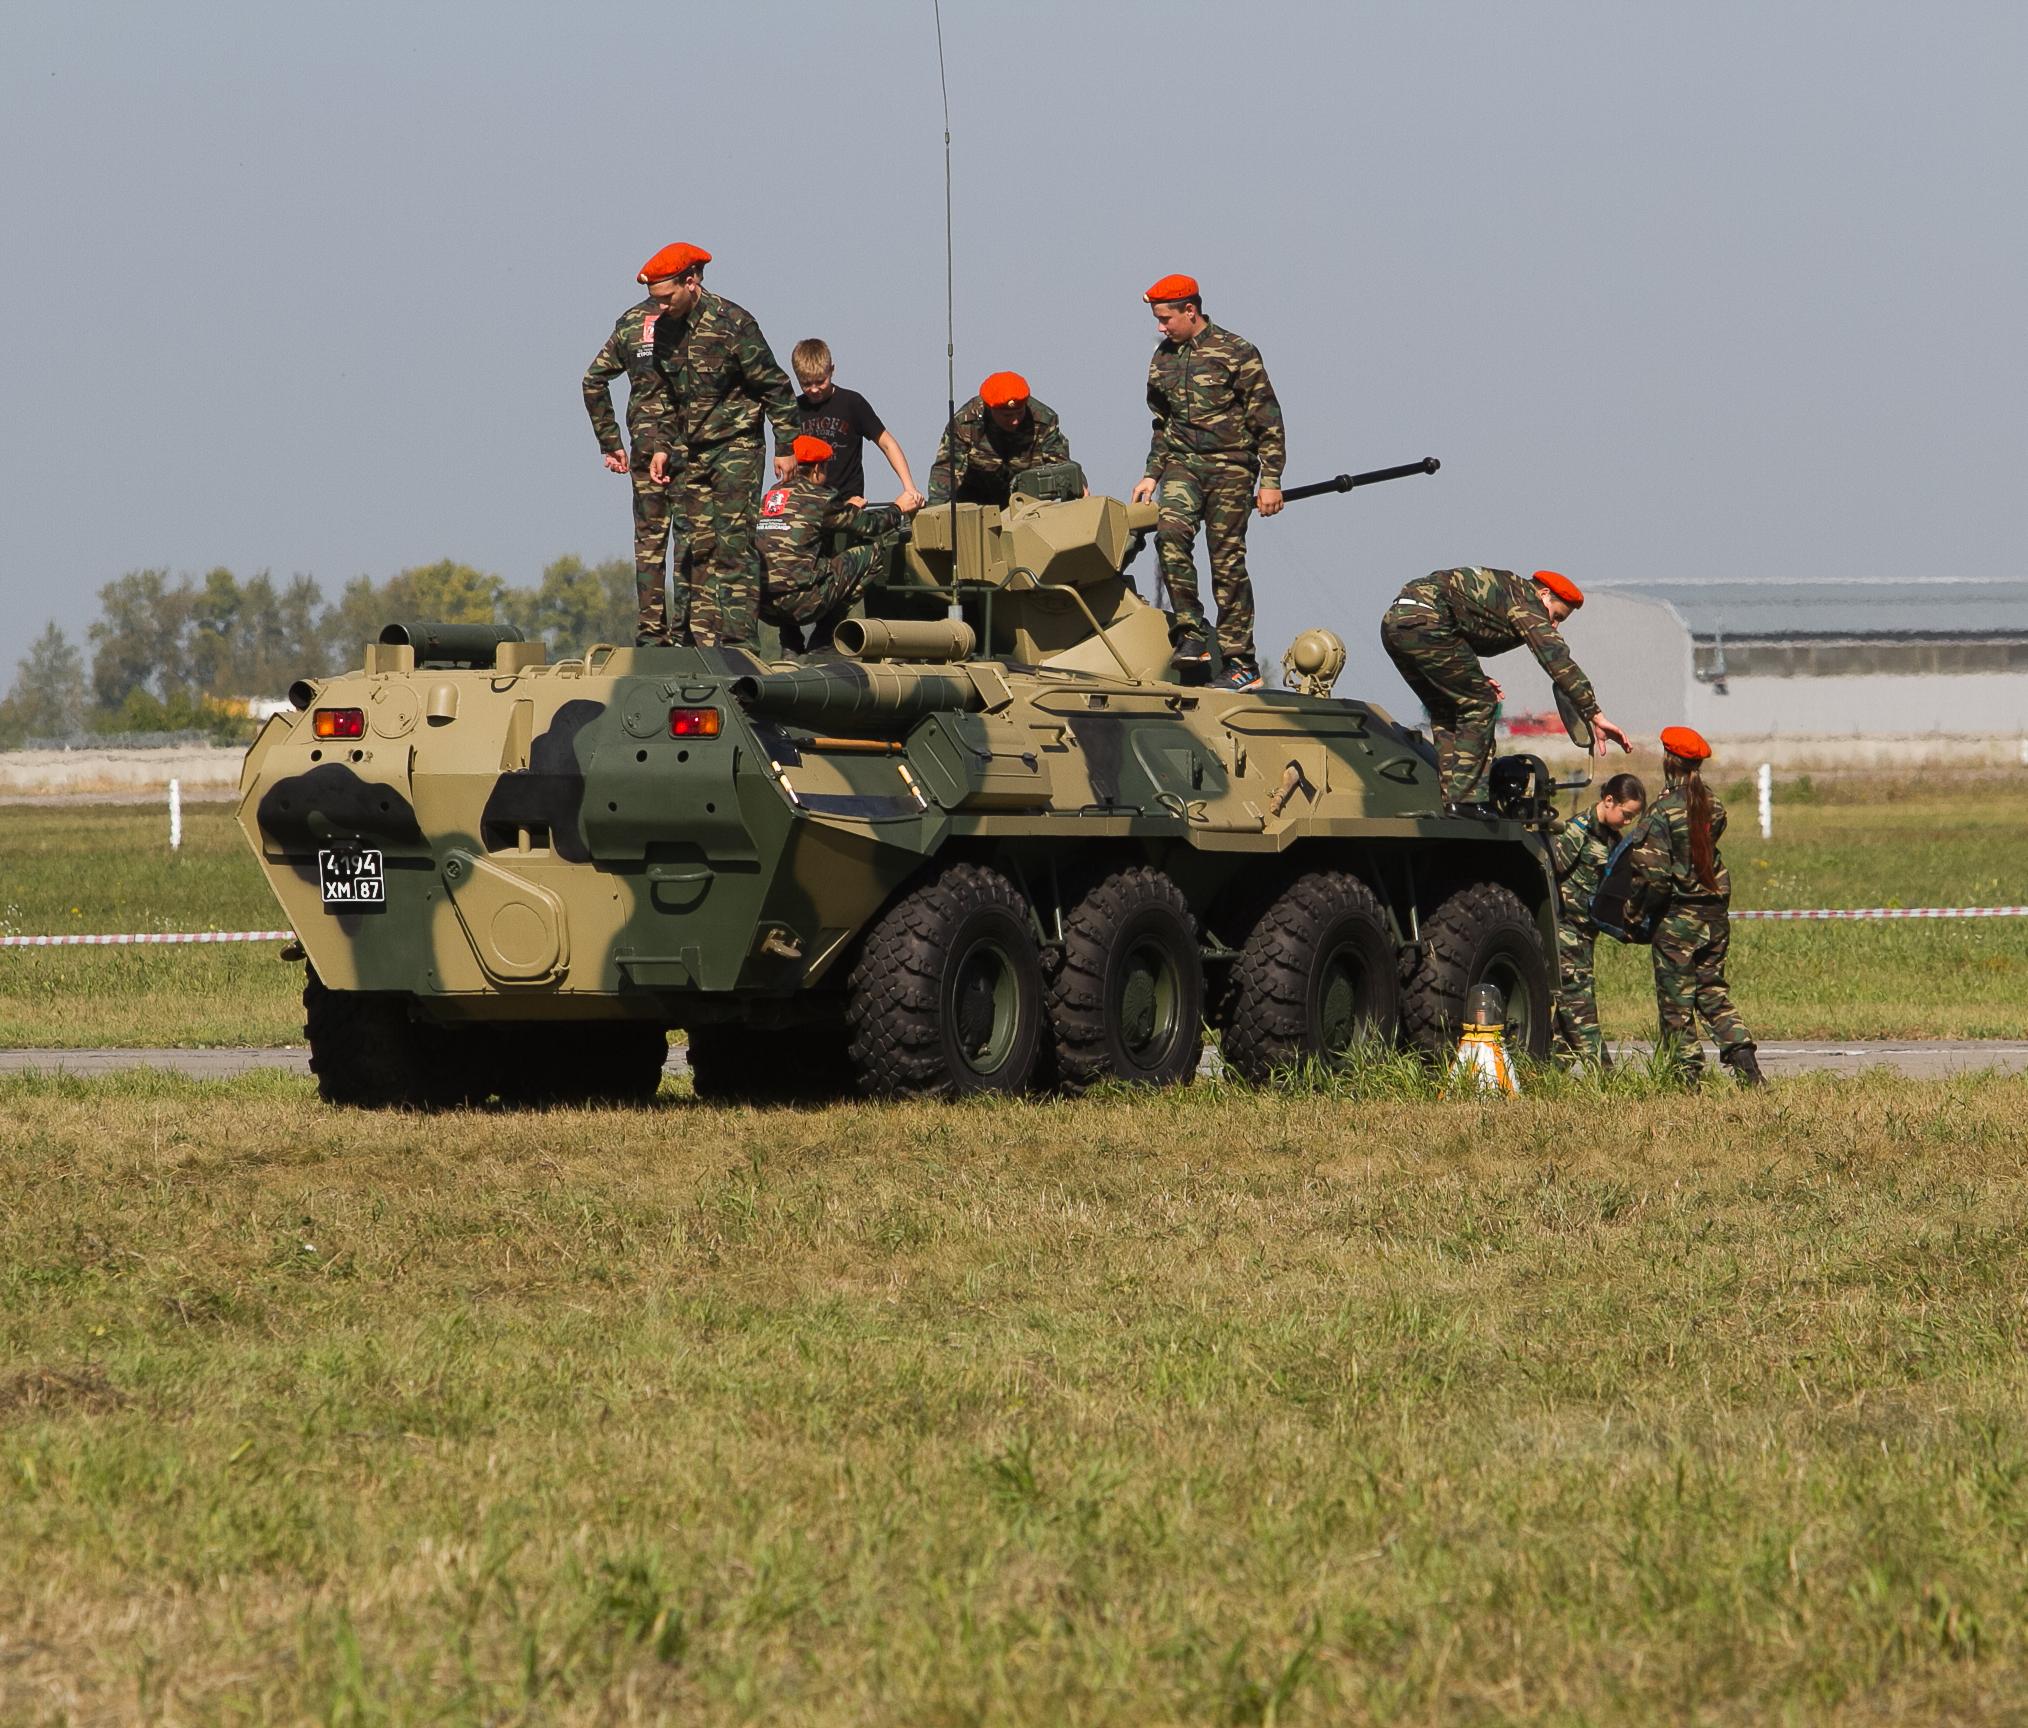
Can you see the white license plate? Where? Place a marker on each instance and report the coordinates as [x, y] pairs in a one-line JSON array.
[[351, 877]]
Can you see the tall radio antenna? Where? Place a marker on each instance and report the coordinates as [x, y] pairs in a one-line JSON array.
[[950, 300]]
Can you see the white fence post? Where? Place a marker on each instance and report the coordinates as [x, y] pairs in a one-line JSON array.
[[175, 815], [1765, 780]]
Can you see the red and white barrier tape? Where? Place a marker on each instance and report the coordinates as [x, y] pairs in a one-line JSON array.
[[1896, 912], [175, 936]]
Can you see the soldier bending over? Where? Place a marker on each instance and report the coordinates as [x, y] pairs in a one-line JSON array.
[[998, 435], [804, 588]]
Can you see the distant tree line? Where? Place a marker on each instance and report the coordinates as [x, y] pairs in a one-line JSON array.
[[183, 654]]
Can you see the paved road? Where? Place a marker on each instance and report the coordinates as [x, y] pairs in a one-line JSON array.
[[1923, 1061]]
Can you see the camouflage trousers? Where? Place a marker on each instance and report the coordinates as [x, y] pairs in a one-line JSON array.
[[718, 567], [1220, 497], [1440, 667], [651, 546], [1577, 1028], [818, 592], [1690, 945]]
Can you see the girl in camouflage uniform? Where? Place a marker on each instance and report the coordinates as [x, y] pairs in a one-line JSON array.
[[1580, 849], [1678, 870]]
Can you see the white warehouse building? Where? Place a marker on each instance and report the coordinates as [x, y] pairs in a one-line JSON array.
[[1798, 659]]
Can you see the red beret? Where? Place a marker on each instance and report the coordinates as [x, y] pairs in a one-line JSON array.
[[1561, 586], [810, 450], [1003, 388], [1680, 741], [1172, 288], [673, 261]]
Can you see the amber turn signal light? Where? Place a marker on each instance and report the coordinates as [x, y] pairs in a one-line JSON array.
[[693, 722], [339, 723]]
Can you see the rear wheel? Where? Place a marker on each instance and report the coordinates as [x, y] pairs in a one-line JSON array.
[[366, 1050], [1482, 934], [1315, 980], [1127, 1000], [946, 995]]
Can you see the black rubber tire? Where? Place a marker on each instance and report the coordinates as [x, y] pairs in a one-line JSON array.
[[1481, 933], [732, 1063], [571, 1063], [366, 1051], [945, 997], [1126, 1001], [1317, 977]]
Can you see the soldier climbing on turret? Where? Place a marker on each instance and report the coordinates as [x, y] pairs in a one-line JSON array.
[[805, 591], [998, 435], [1435, 633]]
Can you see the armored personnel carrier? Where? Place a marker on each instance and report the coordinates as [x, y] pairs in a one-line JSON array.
[[986, 843]]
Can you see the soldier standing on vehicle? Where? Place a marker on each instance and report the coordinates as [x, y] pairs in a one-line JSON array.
[[1435, 632], [998, 435], [803, 588], [1681, 881], [1216, 457], [722, 380], [632, 349], [1579, 850]]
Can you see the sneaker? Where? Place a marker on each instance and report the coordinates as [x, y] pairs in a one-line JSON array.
[[1191, 651], [1238, 675]]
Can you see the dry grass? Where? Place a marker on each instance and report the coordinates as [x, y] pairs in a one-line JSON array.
[[1213, 1407]]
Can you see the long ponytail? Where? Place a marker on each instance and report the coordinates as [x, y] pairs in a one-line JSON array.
[[1697, 800]]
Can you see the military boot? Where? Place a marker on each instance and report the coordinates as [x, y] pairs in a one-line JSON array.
[[1744, 1062]]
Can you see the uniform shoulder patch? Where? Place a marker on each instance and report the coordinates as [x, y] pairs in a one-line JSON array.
[[775, 502]]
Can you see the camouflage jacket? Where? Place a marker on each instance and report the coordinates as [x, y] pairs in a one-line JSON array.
[[800, 523], [1662, 863], [1496, 611], [1210, 397], [719, 378], [650, 406], [1579, 850], [987, 457]]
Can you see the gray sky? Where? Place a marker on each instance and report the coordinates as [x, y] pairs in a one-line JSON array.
[[1727, 290]]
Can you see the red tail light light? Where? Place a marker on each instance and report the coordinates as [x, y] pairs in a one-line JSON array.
[[339, 722], [693, 722]]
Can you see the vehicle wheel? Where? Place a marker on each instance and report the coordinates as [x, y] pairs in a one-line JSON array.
[[731, 1063], [579, 1062], [1316, 977], [1127, 1000], [365, 1050], [945, 997], [1482, 934]]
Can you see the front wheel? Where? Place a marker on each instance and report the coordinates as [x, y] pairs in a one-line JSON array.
[[945, 998], [1482, 934]]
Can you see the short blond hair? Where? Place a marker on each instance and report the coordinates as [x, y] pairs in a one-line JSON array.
[[811, 359]]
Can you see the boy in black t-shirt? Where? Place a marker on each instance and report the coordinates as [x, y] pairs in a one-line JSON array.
[[844, 419]]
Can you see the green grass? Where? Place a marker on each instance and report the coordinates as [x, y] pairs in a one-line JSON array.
[[1845, 843], [1212, 1407]]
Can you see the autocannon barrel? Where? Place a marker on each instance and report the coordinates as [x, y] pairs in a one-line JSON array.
[[848, 691], [451, 644], [1372, 477]]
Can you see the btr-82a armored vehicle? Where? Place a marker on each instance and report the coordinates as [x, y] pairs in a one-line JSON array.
[[987, 843]]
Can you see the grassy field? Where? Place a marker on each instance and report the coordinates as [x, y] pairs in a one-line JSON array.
[[1854, 841], [1216, 1407]]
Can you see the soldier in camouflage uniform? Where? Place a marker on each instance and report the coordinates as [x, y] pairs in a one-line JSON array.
[[804, 588], [1216, 457], [639, 340], [722, 380], [1435, 632], [1000, 434], [1677, 868], [1579, 850]]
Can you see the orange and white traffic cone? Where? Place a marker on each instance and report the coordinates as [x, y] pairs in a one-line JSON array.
[[1481, 1063]]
